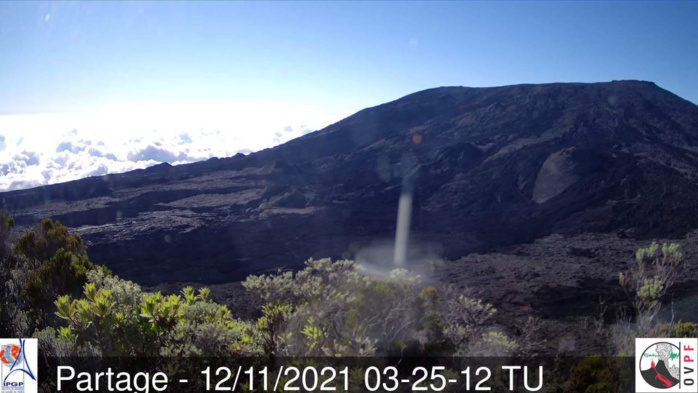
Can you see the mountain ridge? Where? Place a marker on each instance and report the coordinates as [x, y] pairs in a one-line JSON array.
[[487, 167]]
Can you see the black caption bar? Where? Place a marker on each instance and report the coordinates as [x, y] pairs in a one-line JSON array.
[[369, 374]]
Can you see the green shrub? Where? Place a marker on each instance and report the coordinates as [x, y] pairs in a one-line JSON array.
[[333, 309], [594, 374], [43, 263], [116, 318], [648, 282], [48, 262], [6, 225], [77, 308], [685, 330]]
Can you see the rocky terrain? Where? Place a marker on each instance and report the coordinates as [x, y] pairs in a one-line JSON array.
[[491, 170]]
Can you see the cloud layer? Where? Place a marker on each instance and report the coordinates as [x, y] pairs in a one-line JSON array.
[[45, 149]]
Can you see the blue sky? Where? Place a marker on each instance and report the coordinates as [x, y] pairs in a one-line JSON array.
[[346, 55], [307, 64]]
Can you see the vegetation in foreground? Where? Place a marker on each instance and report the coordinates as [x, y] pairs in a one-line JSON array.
[[50, 290]]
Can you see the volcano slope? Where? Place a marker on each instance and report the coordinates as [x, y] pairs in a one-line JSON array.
[[488, 168]]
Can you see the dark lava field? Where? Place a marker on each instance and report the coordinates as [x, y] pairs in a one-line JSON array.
[[536, 194]]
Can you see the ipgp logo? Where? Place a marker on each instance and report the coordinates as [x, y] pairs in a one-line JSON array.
[[666, 365], [18, 365]]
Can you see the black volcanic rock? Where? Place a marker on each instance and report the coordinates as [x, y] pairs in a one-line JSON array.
[[563, 169], [487, 167]]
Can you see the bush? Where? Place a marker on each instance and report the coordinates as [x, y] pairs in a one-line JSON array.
[[594, 375], [77, 308], [685, 330], [116, 318], [46, 262], [43, 263], [7, 285], [333, 309], [6, 225], [648, 282]]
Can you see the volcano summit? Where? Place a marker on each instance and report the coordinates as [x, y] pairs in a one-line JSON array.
[[488, 167]]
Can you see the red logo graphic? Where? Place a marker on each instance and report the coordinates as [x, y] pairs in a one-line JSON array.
[[9, 354]]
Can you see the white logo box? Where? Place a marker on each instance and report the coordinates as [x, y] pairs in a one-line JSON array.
[[666, 365], [19, 365]]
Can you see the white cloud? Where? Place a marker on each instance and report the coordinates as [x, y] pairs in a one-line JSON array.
[[28, 158], [52, 148]]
